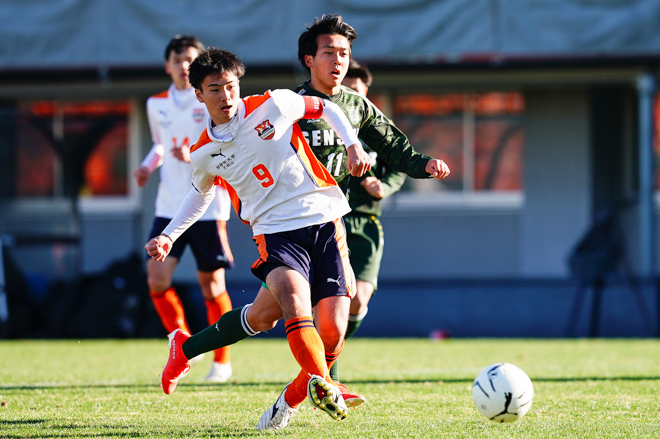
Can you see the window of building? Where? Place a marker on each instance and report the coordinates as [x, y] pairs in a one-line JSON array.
[[61, 149], [479, 135]]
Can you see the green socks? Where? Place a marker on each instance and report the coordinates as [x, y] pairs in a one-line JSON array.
[[354, 323], [353, 326], [231, 327]]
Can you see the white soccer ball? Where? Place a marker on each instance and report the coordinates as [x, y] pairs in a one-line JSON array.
[[503, 392]]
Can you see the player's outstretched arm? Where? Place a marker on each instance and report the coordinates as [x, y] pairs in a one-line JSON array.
[[191, 209], [358, 160], [437, 168], [159, 247]]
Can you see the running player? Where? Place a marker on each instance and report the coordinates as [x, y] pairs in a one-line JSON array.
[[324, 49], [294, 206], [176, 119]]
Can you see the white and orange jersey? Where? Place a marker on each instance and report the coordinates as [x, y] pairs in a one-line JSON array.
[[176, 118], [275, 182]]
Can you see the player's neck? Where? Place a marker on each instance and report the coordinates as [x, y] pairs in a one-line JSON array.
[[327, 90], [176, 86]]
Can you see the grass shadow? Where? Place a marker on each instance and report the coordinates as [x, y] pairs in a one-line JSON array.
[[283, 383]]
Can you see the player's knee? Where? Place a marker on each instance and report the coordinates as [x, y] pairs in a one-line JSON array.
[[212, 284], [359, 303], [262, 321], [332, 338], [211, 293], [157, 283]]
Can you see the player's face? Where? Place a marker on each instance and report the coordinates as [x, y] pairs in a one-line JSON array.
[[329, 65], [220, 94], [356, 84], [177, 66]]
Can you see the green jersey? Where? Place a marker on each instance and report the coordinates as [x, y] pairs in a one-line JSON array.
[[360, 200], [374, 129]]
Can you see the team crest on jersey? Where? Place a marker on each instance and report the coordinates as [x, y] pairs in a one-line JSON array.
[[266, 130], [198, 115], [354, 115]]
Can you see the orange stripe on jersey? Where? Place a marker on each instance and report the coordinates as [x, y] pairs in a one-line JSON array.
[[224, 239], [235, 201], [220, 182], [321, 175], [340, 237], [203, 140], [253, 102], [260, 240], [161, 94]]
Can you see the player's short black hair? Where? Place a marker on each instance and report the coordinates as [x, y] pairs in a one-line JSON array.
[[359, 70], [179, 43], [214, 60], [328, 25]]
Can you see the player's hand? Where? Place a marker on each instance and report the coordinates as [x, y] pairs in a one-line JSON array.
[[141, 175], [358, 160], [159, 247], [437, 168], [181, 153], [374, 187]]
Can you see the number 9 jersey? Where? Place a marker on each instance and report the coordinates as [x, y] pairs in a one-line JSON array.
[[274, 180]]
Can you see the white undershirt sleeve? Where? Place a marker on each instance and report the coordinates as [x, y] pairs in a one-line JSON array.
[[154, 158], [192, 208], [338, 121]]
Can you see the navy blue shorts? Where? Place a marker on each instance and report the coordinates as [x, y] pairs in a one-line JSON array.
[[317, 252], [208, 241]]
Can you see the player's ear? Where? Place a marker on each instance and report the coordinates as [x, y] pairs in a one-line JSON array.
[[199, 95], [167, 68], [309, 60]]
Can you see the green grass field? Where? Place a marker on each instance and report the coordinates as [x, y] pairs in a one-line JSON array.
[[416, 388]]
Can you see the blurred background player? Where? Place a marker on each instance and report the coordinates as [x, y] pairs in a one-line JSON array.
[[176, 118], [364, 232]]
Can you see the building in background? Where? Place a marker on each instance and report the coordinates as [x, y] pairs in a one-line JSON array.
[[545, 124]]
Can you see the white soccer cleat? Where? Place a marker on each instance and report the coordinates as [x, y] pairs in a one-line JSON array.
[[327, 397], [195, 360], [219, 372], [278, 416]]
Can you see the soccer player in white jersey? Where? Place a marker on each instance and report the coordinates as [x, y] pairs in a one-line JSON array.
[[255, 147], [328, 44], [176, 120]]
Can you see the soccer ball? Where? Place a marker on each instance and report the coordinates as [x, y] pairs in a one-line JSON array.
[[502, 392]]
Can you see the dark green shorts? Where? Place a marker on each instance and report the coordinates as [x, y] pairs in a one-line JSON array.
[[364, 235]]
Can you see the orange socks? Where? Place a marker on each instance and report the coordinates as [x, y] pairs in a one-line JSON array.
[[331, 357], [307, 349], [214, 310], [169, 308]]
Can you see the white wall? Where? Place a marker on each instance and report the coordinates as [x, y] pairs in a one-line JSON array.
[[556, 178]]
